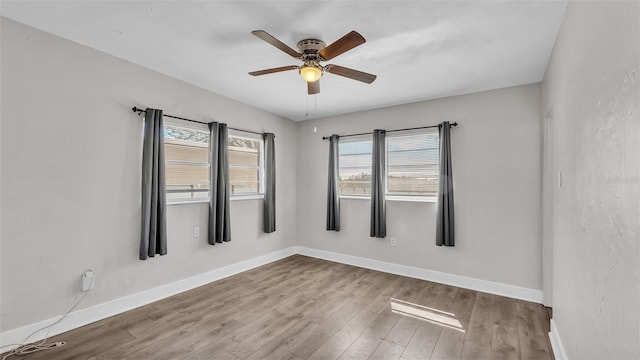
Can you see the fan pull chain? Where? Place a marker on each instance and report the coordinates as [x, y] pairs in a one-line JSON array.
[[315, 106]]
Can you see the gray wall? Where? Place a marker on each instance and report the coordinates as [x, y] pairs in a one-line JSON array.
[[71, 151], [497, 180], [591, 94]]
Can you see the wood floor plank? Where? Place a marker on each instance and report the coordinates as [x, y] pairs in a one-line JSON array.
[[81, 347], [344, 294], [180, 344], [176, 319], [387, 351], [322, 293], [449, 345], [322, 334], [174, 343], [270, 333], [303, 308], [333, 348], [214, 348], [403, 331], [411, 290], [274, 290], [384, 323], [479, 335], [480, 329], [423, 341], [279, 348], [363, 347], [473, 351], [367, 343], [370, 307], [463, 305], [451, 340], [366, 309], [506, 338], [290, 356], [533, 344], [270, 271]]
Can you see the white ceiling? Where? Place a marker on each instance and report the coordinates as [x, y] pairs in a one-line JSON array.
[[419, 50]]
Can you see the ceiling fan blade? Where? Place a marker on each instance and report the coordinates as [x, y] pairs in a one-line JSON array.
[[275, 42], [273, 70], [342, 45], [313, 87], [350, 73]]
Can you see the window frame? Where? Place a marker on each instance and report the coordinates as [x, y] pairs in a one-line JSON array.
[[187, 200], [399, 197], [230, 133], [353, 139], [410, 197], [260, 167]]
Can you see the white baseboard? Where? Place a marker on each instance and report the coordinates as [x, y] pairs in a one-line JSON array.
[[556, 343], [94, 313], [491, 287]]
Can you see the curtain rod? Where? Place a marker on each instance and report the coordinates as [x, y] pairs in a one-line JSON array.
[[407, 129], [138, 110]]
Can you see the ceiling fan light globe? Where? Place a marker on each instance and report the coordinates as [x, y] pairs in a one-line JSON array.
[[311, 73]]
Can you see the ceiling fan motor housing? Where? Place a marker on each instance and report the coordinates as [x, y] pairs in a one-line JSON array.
[[309, 49]]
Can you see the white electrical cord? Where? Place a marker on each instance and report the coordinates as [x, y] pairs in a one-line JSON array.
[[42, 345], [28, 349]]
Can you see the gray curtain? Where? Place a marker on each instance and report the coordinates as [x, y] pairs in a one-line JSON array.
[[269, 213], [378, 186], [153, 239], [445, 234], [219, 224], [333, 196]]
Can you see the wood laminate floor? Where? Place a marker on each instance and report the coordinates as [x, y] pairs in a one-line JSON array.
[[305, 308]]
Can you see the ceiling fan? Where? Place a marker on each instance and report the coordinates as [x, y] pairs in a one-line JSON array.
[[311, 53]]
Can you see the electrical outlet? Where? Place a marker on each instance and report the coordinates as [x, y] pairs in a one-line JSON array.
[[196, 231], [392, 241], [88, 280]]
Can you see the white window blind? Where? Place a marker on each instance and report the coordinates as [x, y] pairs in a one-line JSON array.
[[355, 166], [412, 163], [186, 163], [245, 165]]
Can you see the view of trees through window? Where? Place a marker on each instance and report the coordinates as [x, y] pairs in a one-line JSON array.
[[355, 167]]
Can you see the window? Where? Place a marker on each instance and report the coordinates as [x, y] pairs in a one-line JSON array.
[[187, 163], [355, 166], [186, 152], [245, 165], [412, 165]]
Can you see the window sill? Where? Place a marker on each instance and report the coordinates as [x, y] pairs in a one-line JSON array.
[[206, 201], [247, 197], [423, 199], [186, 202], [355, 197]]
